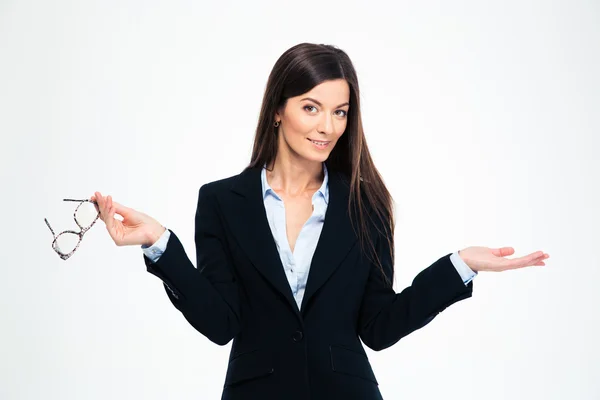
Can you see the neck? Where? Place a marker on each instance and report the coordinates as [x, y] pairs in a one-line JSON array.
[[295, 177]]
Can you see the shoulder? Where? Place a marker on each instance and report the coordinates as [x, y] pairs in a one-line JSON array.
[[226, 184], [218, 185]]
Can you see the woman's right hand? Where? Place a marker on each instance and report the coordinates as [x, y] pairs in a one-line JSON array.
[[136, 228]]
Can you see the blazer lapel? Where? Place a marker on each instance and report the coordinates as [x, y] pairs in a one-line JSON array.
[[245, 213], [336, 239]]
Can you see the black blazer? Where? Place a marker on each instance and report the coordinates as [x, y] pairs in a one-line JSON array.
[[239, 291]]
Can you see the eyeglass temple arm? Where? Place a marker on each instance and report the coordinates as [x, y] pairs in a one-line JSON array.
[[51, 230], [95, 202]]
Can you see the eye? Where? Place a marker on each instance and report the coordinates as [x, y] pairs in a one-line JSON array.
[[345, 114], [305, 107]]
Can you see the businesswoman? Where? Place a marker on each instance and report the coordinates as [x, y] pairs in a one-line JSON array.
[[295, 255]]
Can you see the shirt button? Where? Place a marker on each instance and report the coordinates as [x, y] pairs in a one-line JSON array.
[[297, 336]]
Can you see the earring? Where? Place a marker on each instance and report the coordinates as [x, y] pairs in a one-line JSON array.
[[276, 124]]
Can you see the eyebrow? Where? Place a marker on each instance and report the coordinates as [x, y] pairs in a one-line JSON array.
[[319, 103]]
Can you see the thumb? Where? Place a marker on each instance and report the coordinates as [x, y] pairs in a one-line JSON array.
[[503, 251]]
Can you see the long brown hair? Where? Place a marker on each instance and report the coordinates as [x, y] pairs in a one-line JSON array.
[[297, 71]]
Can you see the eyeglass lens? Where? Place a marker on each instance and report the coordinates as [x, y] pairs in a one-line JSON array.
[[85, 215]]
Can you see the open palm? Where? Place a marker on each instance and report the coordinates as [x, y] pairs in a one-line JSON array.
[[480, 258]]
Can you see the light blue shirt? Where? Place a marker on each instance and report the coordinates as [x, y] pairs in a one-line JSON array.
[[297, 263]]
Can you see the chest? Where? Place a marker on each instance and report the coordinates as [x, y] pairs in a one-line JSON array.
[[297, 212]]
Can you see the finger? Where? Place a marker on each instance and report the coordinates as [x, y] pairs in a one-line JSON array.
[[100, 202], [540, 260], [506, 251], [528, 259], [537, 261], [520, 262], [104, 207], [111, 209], [121, 209], [95, 203], [534, 257], [503, 251], [99, 199], [109, 219]]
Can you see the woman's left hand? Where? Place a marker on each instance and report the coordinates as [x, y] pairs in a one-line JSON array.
[[492, 259]]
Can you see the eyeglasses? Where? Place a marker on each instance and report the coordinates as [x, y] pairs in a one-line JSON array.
[[86, 214]]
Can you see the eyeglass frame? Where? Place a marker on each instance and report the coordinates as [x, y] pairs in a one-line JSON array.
[[82, 231]]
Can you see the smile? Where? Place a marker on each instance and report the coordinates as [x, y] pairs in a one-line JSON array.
[[319, 144]]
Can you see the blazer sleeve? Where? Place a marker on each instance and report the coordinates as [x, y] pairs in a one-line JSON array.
[[386, 316], [207, 296]]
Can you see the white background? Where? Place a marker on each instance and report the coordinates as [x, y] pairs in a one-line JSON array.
[[481, 116]]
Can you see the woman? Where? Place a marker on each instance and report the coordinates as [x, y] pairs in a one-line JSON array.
[[295, 254]]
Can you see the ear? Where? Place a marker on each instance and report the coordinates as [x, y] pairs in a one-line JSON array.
[[279, 112]]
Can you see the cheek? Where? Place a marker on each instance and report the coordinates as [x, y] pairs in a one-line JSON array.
[[340, 129], [296, 131], [302, 124]]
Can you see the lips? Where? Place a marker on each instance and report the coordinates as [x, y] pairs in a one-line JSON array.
[[319, 141]]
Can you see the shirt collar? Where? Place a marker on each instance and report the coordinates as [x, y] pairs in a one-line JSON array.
[[323, 190]]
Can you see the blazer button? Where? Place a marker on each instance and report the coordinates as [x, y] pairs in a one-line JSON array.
[[297, 336]]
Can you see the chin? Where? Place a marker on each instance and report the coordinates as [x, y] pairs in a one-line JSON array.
[[319, 159], [320, 156]]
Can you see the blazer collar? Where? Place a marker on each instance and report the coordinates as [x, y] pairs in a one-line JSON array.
[[246, 215]]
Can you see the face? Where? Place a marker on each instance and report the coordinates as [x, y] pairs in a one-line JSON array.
[[312, 123]]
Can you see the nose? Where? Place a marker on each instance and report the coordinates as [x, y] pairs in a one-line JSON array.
[[326, 124]]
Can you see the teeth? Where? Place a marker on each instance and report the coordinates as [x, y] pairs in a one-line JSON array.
[[314, 141]]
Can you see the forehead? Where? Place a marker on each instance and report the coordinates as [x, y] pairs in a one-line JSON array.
[[332, 92]]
